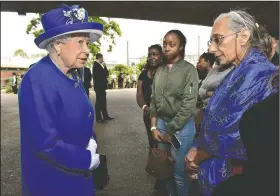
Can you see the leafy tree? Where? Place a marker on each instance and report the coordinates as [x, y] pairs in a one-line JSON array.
[[120, 68], [111, 30], [141, 65], [20, 52]]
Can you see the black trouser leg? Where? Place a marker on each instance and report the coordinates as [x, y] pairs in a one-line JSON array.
[[98, 105], [147, 121], [87, 91], [104, 105], [15, 89], [120, 85]]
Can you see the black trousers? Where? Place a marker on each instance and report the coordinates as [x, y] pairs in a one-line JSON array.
[[113, 84], [87, 91], [120, 85], [147, 121], [86, 87], [15, 89], [101, 104]]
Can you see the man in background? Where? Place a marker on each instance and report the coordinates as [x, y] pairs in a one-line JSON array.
[[100, 74], [114, 77], [134, 78], [14, 83], [127, 81], [120, 81]]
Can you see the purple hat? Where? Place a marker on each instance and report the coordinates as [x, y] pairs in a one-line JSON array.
[[67, 20]]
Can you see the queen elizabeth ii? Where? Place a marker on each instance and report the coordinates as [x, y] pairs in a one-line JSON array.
[[58, 147]]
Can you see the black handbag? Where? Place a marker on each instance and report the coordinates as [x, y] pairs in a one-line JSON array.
[[100, 174]]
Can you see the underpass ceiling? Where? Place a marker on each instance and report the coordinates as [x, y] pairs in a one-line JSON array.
[[186, 12]]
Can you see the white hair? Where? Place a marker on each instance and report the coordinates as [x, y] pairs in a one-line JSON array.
[[49, 45], [241, 20]]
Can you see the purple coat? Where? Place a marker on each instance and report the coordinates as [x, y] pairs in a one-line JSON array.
[[56, 120]]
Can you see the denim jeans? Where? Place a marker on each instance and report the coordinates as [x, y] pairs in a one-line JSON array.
[[179, 185]]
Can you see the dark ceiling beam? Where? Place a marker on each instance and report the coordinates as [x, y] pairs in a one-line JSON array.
[[186, 12]]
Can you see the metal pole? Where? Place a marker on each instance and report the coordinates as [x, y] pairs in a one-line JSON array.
[[198, 48], [127, 52]]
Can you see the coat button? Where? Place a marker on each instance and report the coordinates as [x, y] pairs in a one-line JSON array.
[[89, 114]]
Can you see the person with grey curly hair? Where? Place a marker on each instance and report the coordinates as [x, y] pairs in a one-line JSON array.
[[245, 34], [218, 152]]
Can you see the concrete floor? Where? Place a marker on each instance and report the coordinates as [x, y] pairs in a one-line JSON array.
[[124, 140]]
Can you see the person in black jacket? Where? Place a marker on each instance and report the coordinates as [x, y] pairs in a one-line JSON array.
[[85, 75], [120, 81], [100, 74], [15, 83]]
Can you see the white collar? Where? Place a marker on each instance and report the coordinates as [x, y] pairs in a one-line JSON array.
[[100, 64]]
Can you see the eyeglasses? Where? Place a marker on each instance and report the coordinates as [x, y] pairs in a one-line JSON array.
[[218, 40]]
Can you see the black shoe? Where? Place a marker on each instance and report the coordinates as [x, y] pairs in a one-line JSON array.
[[108, 118], [101, 121]]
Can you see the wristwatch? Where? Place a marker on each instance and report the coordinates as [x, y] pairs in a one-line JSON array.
[[153, 128]]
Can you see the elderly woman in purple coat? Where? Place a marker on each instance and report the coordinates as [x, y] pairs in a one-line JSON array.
[[58, 150]]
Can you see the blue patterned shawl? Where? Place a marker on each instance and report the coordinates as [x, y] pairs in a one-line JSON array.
[[243, 87]]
